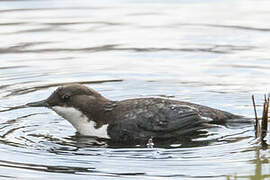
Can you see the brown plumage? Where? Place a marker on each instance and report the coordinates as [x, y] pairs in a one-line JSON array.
[[136, 120]]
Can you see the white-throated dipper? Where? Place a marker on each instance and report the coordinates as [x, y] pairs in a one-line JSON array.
[[130, 121]]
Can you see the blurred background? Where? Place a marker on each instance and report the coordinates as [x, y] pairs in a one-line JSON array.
[[211, 52]]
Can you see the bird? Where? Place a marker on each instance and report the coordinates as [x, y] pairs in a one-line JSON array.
[[131, 121]]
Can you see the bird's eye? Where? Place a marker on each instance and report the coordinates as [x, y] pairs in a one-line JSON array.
[[65, 97]]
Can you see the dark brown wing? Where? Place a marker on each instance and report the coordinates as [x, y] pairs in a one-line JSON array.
[[155, 118]]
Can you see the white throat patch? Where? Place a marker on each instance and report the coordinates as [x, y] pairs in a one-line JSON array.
[[82, 124]]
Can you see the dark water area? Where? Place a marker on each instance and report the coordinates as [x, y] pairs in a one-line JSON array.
[[214, 53]]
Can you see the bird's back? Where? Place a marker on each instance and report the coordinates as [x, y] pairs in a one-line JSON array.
[[140, 119]]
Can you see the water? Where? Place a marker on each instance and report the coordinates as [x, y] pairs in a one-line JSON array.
[[215, 53]]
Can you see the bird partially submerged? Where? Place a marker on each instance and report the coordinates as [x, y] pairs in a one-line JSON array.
[[134, 120]]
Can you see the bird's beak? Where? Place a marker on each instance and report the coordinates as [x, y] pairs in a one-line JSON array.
[[42, 103]]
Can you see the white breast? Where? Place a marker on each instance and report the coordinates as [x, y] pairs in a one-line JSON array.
[[82, 124]]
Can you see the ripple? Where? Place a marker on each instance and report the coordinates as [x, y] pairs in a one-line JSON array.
[[35, 88], [215, 49], [41, 167], [226, 26]]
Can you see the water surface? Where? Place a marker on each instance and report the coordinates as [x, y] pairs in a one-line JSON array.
[[215, 53]]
